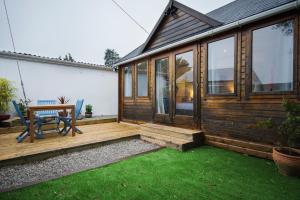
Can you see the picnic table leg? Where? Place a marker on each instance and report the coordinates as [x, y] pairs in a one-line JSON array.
[[73, 121], [31, 128]]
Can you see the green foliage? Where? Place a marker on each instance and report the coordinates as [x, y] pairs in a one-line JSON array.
[[7, 93], [88, 108], [265, 124], [111, 56], [23, 105], [203, 173], [290, 127], [68, 57]]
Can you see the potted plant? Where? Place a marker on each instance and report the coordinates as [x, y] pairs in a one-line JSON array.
[[23, 105], [287, 155], [88, 111], [63, 100], [6, 95]]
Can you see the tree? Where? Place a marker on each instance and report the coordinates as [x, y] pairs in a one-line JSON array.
[[68, 57], [111, 57]]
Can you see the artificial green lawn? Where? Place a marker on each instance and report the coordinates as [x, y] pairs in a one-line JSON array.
[[203, 173]]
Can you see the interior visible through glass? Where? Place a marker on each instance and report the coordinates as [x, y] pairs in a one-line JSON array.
[[221, 67], [184, 83], [272, 58], [142, 79], [128, 81], [162, 86]]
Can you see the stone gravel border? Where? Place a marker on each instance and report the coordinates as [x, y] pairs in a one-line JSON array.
[[18, 176]]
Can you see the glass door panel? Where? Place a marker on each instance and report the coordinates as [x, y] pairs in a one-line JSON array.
[[184, 89], [162, 86]]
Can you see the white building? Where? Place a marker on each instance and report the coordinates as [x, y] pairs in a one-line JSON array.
[[49, 78]]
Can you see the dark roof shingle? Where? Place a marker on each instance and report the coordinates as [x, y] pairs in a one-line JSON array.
[[241, 9]]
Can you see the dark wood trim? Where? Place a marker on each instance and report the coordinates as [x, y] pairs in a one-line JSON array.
[[197, 14], [271, 95], [188, 10], [236, 93], [120, 96]]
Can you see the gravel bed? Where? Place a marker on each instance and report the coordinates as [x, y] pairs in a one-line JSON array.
[[17, 176]]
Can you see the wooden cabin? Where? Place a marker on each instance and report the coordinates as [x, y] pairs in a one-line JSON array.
[[220, 72]]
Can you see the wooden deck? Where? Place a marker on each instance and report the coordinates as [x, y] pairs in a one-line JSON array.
[[10, 150]]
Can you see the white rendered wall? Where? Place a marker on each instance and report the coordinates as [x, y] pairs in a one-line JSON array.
[[49, 81]]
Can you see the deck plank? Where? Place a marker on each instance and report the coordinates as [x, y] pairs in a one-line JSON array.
[[96, 133]]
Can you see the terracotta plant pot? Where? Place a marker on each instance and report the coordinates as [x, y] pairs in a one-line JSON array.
[[287, 160], [4, 117]]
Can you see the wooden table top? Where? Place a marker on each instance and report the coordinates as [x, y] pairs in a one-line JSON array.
[[51, 107]]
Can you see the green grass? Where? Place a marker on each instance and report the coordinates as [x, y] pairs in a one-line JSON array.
[[203, 173]]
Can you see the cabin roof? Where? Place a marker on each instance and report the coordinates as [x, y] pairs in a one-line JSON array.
[[229, 13]]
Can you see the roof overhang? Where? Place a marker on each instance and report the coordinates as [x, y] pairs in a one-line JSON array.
[[262, 15]]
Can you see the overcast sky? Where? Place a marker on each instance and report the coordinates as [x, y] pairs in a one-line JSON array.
[[84, 28]]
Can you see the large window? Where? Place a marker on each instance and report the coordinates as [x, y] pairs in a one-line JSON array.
[[128, 81], [142, 79], [272, 58], [162, 86], [220, 75], [184, 83]]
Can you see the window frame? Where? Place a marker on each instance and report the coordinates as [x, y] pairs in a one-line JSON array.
[[193, 50], [132, 82], [136, 79], [273, 94], [235, 94]]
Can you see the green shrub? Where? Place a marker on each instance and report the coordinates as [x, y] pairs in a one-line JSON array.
[[7, 93], [289, 128], [88, 108]]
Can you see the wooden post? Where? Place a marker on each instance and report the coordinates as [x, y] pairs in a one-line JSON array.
[[31, 128], [73, 121]]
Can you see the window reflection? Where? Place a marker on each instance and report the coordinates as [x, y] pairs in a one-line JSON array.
[[221, 67], [162, 86], [142, 79], [272, 58], [128, 81], [184, 83]]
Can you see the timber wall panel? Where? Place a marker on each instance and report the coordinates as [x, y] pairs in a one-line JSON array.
[[230, 117]]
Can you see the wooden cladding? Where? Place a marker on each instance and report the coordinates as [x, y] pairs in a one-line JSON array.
[[234, 115], [176, 27]]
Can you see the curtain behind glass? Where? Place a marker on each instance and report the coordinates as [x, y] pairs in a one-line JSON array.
[[162, 86]]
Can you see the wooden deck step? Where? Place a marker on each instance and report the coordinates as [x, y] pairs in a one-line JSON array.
[[176, 143], [178, 138], [187, 134], [245, 147]]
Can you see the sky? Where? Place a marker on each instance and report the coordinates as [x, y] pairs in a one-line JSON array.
[[86, 28]]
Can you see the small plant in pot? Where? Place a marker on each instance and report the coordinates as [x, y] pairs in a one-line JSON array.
[[88, 111], [287, 154], [63, 100], [7, 93], [23, 105]]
